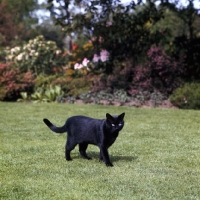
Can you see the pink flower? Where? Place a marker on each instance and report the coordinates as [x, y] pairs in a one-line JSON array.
[[104, 55], [109, 23], [95, 58], [78, 66], [85, 62]]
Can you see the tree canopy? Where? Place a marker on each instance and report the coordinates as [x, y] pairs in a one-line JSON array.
[[16, 18], [128, 31]]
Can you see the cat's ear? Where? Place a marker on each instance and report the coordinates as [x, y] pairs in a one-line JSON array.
[[121, 117], [109, 117]]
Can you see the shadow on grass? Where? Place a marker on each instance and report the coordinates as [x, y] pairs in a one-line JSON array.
[[113, 158]]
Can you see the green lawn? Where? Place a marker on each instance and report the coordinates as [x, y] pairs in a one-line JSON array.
[[156, 156]]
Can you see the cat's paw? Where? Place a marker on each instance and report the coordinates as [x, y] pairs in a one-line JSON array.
[[109, 164], [68, 159]]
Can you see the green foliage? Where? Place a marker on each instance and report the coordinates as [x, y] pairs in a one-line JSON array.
[[37, 55], [70, 86], [187, 97], [120, 97], [48, 94], [24, 9], [74, 86], [51, 32], [103, 97], [53, 93], [184, 25], [24, 97], [16, 19], [44, 80], [121, 78], [156, 155], [38, 95]]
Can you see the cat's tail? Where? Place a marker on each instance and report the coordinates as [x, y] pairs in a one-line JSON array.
[[54, 128]]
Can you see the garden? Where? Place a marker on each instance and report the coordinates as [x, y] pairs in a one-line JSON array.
[[134, 55]]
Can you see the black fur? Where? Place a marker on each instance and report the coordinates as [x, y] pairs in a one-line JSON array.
[[84, 130]]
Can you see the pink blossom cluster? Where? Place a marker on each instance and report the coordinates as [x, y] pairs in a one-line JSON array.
[[84, 64], [104, 56]]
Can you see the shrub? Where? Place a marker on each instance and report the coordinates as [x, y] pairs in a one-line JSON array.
[[161, 72], [44, 80], [12, 82], [101, 97], [48, 94], [121, 78], [74, 86], [96, 65], [38, 55], [187, 97]]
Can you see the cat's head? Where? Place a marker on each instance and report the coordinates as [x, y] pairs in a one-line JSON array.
[[115, 123]]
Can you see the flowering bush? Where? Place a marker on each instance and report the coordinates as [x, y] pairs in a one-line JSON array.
[[104, 56], [38, 55], [79, 52], [96, 65], [161, 72], [12, 82]]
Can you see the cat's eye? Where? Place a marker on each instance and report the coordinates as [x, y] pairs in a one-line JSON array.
[[120, 124], [113, 124]]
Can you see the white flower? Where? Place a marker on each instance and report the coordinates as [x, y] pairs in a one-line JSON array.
[[9, 57], [28, 46], [58, 52], [26, 57], [32, 52], [85, 62], [12, 51], [19, 57], [17, 48]]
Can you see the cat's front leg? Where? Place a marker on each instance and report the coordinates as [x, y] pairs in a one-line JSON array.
[[105, 155]]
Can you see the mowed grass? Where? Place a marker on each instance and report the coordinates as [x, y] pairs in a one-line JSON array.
[[156, 156]]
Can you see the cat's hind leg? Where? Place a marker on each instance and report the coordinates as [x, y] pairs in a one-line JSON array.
[[68, 148], [82, 150]]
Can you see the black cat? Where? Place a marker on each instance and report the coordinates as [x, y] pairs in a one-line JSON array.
[[84, 130]]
